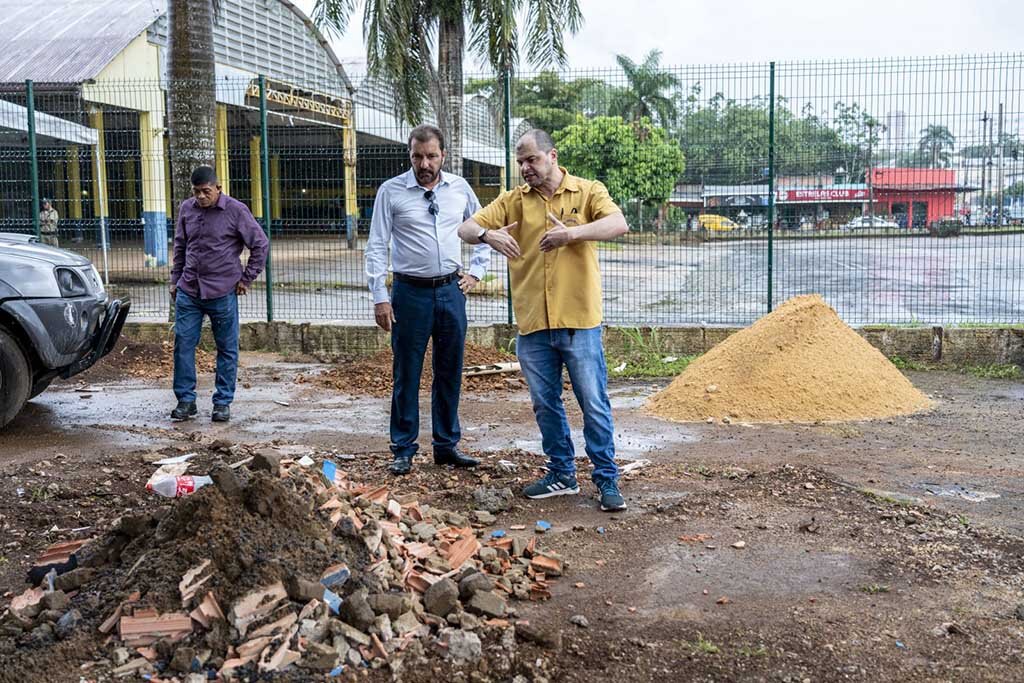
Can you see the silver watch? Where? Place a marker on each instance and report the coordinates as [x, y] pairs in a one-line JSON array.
[[480, 235]]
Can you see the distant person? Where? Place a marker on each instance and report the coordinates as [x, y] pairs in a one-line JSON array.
[[48, 220], [417, 215], [549, 228], [689, 222], [206, 279]]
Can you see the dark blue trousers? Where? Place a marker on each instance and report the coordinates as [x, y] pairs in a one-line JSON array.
[[421, 314]]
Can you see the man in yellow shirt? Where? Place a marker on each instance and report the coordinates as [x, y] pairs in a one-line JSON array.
[[548, 230]]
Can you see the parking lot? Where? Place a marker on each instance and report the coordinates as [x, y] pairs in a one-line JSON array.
[[869, 280]]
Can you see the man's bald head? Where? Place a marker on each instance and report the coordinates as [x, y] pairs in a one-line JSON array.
[[539, 138], [538, 159]]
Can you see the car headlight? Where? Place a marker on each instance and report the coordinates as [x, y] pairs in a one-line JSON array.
[[97, 279], [70, 283]]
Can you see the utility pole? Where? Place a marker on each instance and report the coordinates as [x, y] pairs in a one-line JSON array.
[[999, 141], [984, 163], [871, 174]]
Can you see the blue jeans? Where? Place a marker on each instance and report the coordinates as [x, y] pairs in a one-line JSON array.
[[188, 326], [542, 356], [422, 313]]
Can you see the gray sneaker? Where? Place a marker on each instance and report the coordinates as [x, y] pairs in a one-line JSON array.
[[611, 499], [552, 484]]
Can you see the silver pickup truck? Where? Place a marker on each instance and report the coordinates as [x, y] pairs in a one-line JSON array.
[[56, 319]]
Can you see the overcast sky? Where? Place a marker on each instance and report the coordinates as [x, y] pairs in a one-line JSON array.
[[717, 31]]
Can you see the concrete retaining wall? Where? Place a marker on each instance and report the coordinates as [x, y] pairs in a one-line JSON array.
[[953, 346]]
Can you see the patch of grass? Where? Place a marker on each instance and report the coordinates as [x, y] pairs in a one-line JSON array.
[[644, 354], [609, 246], [984, 371], [994, 371], [704, 645], [988, 326], [962, 519], [489, 277], [904, 364], [874, 589], [882, 498], [38, 494], [759, 651]]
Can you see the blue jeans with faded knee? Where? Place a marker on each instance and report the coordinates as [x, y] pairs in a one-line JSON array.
[[542, 355]]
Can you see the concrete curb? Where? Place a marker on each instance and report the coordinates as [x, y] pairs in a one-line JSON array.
[[953, 346]]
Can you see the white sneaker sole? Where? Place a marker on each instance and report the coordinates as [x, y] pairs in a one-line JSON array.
[[618, 509], [552, 494]]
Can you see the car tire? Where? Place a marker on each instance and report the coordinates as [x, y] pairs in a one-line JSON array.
[[15, 377], [39, 387]]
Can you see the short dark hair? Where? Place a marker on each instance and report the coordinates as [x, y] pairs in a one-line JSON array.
[[540, 138], [204, 175], [425, 133]]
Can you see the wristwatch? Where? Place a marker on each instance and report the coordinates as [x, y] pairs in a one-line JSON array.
[[480, 235]]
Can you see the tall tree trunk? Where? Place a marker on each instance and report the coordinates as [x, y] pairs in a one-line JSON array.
[[451, 39], [191, 90]]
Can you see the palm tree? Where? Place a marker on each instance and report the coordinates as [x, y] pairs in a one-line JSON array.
[[644, 94], [934, 143], [399, 48], [191, 91]]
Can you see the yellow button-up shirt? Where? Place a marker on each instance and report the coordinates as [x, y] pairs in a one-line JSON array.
[[559, 288]]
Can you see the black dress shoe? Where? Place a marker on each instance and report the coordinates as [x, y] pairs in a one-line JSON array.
[[454, 458], [221, 413], [184, 410], [401, 466]]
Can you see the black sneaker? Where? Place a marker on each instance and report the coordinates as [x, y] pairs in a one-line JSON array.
[[221, 413], [401, 465], [552, 484], [611, 499], [185, 410]]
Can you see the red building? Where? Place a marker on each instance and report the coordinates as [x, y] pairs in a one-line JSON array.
[[916, 197]]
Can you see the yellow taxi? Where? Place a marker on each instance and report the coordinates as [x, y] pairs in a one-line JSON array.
[[710, 221]]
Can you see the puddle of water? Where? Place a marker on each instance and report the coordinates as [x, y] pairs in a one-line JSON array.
[[958, 491]]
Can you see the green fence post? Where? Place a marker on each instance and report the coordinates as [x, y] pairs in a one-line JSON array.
[[508, 174], [771, 176], [265, 182], [33, 154]]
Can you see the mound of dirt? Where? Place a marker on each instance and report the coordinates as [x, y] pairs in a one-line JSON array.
[[800, 363], [141, 360], [372, 376], [290, 567]]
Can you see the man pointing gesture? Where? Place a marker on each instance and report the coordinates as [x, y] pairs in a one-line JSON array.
[[547, 229]]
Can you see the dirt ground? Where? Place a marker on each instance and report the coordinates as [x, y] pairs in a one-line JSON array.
[[822, 552]]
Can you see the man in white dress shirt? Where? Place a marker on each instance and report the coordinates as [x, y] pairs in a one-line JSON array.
[[418, 215]]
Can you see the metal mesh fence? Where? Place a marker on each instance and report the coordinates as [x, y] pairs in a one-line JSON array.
[[895, 188]]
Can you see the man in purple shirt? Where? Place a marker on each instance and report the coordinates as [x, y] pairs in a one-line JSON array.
[[206, 279]]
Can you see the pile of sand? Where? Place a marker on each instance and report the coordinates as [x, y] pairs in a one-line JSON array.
[[800, 363]]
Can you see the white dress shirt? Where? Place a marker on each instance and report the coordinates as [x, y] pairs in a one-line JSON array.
[[422, 244]]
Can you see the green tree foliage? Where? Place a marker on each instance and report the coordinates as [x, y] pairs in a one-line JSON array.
[[935, 144], [648, 92], [726, 142], [1013, 149], [634, 160], [417, 48], [547, 101]]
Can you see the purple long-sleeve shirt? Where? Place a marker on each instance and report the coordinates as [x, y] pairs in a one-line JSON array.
[[208, 246]]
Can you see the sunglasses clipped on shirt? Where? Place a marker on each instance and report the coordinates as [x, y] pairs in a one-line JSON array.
[[432, 207]]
